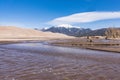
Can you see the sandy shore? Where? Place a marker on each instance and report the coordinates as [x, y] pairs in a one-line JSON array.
[[97, 44], [29, 39], [101, 45]]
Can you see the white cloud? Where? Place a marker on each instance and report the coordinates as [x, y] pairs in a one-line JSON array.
[[85, 17]]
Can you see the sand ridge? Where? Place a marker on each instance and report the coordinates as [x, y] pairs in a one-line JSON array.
[[12, 32]]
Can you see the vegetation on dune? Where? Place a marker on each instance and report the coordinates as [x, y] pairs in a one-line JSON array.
[[113, 33]]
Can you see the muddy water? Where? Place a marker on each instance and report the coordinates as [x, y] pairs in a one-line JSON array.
[[36, 61]]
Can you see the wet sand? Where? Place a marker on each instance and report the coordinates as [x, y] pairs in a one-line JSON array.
[[36, 61], [97, 44]]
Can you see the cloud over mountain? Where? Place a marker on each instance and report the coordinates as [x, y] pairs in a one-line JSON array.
[[85, 17]]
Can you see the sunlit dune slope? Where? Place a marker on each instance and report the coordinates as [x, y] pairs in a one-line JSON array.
[[16, 32]]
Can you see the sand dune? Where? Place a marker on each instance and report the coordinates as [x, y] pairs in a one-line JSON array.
[[11, 32]]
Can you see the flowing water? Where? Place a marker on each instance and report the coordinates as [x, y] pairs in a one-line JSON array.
[[37, 61]]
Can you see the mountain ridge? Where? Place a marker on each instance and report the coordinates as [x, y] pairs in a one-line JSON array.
[[75, 31]]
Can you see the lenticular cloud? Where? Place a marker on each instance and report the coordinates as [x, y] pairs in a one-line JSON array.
[[85, 17]]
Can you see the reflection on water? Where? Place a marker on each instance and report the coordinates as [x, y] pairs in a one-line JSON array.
[[36, 61]]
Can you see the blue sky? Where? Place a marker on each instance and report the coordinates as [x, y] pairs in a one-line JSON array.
[[44, 13]]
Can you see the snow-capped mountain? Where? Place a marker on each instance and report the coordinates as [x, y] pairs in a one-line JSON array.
[[75, 30], [62, 26], [67, 26], [68, 30]]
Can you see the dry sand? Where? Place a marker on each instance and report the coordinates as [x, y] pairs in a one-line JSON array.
[[11, 33]]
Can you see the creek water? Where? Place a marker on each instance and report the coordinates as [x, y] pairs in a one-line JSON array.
[[38, 61]]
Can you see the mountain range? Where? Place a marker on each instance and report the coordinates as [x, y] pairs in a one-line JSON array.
[[75, 31]]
